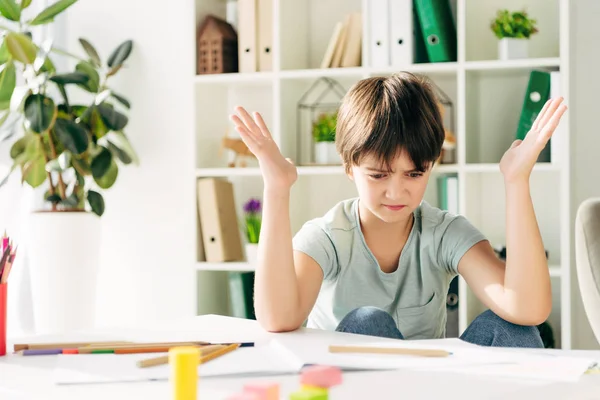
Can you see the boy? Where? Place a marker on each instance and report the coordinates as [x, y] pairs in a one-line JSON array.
[[381, 264]]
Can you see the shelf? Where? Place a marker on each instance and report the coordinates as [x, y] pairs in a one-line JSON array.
[[234, 77], [526, 63], [495, 167], [224, 266], [302, 171], [555, 270], [361, 72]]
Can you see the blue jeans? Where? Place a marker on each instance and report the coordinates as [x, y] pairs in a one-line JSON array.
[[487, 329]]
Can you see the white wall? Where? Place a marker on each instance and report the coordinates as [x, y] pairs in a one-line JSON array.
[[149, 231], [585, 140]]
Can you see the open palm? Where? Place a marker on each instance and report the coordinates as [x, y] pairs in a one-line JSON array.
[[278, 173], [518, 161]]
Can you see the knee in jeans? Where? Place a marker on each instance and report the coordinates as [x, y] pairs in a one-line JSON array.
[[514, 330], [370, 313]]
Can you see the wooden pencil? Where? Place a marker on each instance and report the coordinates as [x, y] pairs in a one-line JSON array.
[[207, 353], [388, 350], [136, 346]]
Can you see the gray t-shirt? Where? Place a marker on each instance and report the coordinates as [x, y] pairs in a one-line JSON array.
[[414, 295]]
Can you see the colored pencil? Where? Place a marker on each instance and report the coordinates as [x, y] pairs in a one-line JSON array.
[[67, 345], [224, 349], [41, 352], [388, 350], [136, 346]]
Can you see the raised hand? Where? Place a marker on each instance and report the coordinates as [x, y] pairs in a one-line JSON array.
[[278, 173], [518, 161]]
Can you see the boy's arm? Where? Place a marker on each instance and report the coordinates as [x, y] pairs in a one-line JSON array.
[[286, 283], [520, 291]]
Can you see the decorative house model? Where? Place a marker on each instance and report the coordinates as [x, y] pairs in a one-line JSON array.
[[217, 47]]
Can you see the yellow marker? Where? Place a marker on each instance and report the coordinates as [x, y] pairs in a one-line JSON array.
[[184, 372]]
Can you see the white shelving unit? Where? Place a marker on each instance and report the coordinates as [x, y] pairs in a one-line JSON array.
[[487, 96]]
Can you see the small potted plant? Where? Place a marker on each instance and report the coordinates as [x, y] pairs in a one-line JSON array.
[[323, 132], [513, 29], [252, 222]]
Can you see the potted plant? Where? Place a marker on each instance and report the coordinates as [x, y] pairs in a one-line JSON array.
[[252, 223], [71, 149], [323, 132], [513, 29]]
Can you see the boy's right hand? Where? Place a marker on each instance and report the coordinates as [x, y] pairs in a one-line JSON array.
[[278, 172]]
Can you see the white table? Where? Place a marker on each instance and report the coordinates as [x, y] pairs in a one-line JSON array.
[[30, 378]]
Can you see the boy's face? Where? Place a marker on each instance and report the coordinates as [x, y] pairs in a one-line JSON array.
[[390, 196]]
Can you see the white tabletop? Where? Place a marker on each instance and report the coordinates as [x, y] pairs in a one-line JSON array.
[[31, 378]]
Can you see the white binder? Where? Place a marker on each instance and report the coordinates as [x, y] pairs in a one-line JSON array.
[[247, 36], [378, 33], [265, 35], [401, 32]]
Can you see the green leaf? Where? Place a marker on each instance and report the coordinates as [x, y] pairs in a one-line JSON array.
[[19, 146], [72, 135], [113, 119], [49, 13], [53, 198], [59, 164], [21, 47], [78, 78], [34, 171], [25, 4], [110, 177], [8, 82], [39, 112], [122, 143], [71, 201], [81, 166], [4, 53], [120, 99], [10, 10], [121, 155], [101, 163], [93, 83], [120, 54], [96, 202], [91, 52], [96, 124]]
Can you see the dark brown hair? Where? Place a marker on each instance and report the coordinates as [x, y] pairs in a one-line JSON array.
[[381, 116]]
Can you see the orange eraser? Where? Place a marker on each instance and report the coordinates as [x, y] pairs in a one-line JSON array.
[[70, 351], [322, 376], [264, 390]]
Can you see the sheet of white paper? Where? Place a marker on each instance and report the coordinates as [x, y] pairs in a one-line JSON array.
[[270, 359], [499, 362]]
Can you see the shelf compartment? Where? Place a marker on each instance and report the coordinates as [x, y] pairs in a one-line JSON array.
[[482, 44]]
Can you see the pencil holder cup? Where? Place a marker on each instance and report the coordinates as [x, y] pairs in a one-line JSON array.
[[3, 288]]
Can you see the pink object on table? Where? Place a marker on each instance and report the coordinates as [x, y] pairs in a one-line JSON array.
[[244, 396], [264, 390], [322, 376]]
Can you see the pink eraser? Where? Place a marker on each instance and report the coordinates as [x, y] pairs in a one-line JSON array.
[[264, 390], [322, 376], [244, 396]]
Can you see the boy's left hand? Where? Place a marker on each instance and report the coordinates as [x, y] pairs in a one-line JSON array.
[[518, 161]]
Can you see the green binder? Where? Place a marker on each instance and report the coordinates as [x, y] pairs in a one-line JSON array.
[[419, 49], [241, 291], [439, 30], [538, 92]]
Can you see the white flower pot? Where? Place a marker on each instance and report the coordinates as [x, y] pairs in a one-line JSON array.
[[325, 153], [251, 253], [63, 249], [513, 49]]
